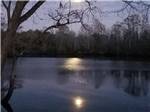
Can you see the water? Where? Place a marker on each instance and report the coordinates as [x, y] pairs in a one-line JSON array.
[[80, 85]]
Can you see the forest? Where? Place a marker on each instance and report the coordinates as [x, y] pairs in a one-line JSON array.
[[125, 39]]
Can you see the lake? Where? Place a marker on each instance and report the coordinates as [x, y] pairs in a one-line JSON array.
[[79, 85]]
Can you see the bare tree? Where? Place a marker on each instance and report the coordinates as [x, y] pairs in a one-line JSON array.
[[131, 7], [96, 27], [65, 14], [142, 7], [13, 22]]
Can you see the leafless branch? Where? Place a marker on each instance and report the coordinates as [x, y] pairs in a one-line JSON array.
[[7, 10], [64, 15], [18, 10], [59, 25], [130, 3], [4, 4], [31, 11]]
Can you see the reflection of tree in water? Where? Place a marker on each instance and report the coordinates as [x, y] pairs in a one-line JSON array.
[[137, 83], [117, 76], [86, 77], [9, 82], [98, 78], [7, 92], [132, 82], [63, 76]]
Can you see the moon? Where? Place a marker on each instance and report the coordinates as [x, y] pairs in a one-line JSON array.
[[77, 1], [79, 102]]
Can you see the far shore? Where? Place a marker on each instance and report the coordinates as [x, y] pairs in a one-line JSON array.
[[100, 57]]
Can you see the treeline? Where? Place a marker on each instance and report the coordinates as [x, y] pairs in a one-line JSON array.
[[32, 43], [123, 40]]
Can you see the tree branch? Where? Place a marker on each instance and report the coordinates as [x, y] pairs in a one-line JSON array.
[[31, 11], [4, 5], [129, 3], [18, 9], [71, 17], [58, 25], [7, 10]]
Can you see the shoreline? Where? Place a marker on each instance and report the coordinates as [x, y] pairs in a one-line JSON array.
[[100, 57]]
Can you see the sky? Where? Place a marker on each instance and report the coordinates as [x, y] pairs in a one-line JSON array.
[[40, 19]]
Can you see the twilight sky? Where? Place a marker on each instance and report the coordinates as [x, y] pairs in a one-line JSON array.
[[40, 19]]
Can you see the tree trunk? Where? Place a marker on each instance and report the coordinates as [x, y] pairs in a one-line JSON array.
[[8, 47], [8, 44]]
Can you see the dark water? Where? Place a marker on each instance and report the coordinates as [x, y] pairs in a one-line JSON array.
[[80, 85]]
